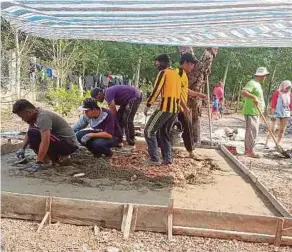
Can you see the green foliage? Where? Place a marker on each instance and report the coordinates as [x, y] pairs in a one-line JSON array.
[[65, 100]]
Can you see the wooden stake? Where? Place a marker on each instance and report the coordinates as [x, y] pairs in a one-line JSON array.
[[96, 230], [43, 221], [49, 208], [124, 218], [134, 221], [170, 219], [279, 230], [128, 221]]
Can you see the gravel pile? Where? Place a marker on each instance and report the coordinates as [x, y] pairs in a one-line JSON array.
[[21, 236]]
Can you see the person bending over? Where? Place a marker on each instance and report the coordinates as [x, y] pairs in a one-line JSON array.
[[104, 132], [49, 135], [129, 100]]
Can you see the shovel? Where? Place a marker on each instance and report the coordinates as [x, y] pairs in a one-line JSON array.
[[278, 147]]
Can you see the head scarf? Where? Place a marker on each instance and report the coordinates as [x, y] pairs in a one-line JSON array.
[[286, 96]]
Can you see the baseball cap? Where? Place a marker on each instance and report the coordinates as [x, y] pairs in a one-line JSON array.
[[163, 58], [189, 58], [89, 104], [94, 92]]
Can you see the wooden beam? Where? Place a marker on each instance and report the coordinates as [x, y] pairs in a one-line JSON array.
[[278, 235], [170, 219], [257, 183], [128, 221], [229, 235], [9, 147]]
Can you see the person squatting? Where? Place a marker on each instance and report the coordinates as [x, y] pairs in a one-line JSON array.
[[100, 129]]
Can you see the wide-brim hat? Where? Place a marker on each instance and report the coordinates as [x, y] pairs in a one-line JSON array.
[[261, 71]]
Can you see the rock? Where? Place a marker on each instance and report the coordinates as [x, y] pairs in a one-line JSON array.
[[112, 249]]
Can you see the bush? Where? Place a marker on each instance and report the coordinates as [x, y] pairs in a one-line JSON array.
[[65, 100]]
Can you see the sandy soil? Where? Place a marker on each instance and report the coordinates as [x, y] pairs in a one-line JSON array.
[[21, 236], [272, 170]]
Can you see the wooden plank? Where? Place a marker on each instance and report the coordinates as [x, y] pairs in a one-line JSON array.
[[43, 221], [87, 212], [49, 208], [152, 218], [257, 183], [225, 221], [170, 219], [278, 235], [22, 206], [128, 221], [287, 227]]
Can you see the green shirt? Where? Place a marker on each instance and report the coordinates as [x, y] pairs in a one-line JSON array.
[[255, 89]]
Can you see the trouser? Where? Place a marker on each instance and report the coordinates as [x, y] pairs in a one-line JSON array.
[[97, 146], [159, 124], [125, 116], [187, 134], [251, 132], [282, 122], [58, 147]]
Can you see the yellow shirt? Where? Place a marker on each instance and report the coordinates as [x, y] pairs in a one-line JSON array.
[[168, 83], [184, 85]]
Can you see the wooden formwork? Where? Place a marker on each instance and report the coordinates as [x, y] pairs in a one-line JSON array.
[[134, 217], [165, 219]]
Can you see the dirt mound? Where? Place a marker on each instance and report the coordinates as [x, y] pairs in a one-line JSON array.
[[129, 167]]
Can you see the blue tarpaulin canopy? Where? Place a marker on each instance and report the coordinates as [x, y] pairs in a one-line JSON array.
[[264, 23]]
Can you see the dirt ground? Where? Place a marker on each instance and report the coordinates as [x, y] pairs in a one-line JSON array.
[[274, 171], [21, 236]]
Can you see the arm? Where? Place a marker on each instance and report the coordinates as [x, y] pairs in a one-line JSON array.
[[112, 108], [25, 142], [274, 101], [196, 94], [157, 88], [185, 108], [102, 134], [247, 94], [81, 124], [44, 145]]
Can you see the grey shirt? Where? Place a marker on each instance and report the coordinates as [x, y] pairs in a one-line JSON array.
[[47, 120]]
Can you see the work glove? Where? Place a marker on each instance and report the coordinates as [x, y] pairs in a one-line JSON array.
[[20, 153], [35, 167], [146, 109], [85, 139]]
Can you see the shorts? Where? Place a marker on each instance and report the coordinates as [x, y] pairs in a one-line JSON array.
[[214, 110]]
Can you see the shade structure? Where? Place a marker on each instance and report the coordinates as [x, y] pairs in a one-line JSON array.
[[240, 23]]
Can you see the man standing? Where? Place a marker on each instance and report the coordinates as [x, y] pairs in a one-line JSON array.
[[168, 85], [49, 135], [129, 99], [197, 82], [104, 132], [254, 99], [187, 63]]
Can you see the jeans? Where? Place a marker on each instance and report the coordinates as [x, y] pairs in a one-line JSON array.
[[98, 146], [58, 147], [158, 126]]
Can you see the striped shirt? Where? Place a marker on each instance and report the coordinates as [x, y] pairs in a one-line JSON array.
[[184, 85], [168, 84]]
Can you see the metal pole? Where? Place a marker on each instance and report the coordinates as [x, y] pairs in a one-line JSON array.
[[209, 111]]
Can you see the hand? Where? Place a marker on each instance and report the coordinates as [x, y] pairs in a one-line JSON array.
[[255, 101], [35, 167], [203, 96], [146, 109], [85, 138], [20, 153], [272, 111], [187, 112]]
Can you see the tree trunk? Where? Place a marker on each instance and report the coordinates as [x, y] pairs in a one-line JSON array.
[[225, 74], [80, 84], [269, 92], [137, 75], [18, 66], [238, 97]]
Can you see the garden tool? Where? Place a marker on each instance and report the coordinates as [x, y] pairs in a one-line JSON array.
[[278, 147]]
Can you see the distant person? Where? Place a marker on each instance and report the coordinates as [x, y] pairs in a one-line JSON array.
[[281, 107], [49, 135], [129, 100], [253, 98], [219, 92], [215, 107], [104, 132]]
